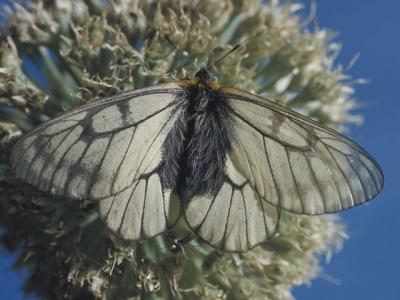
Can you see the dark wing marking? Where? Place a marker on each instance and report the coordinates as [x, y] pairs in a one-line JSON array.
[[296, 163]]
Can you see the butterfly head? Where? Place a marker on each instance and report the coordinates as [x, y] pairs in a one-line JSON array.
[[204, 75], [203, 78]]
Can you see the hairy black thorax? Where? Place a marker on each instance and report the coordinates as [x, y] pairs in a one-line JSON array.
[[195, 149]]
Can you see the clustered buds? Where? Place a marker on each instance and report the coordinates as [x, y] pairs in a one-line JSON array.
[[56, 55]]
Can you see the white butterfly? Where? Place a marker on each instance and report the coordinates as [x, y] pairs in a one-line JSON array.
[[232, 159]]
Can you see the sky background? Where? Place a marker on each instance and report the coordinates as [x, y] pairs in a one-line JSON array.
[[368, 266]]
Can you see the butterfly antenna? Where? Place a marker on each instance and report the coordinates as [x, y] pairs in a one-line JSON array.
[[223, 57]]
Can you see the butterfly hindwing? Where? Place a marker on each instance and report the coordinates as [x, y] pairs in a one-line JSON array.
[[236, 219], [141, 211]]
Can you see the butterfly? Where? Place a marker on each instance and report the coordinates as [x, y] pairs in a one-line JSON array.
[[229, 159]]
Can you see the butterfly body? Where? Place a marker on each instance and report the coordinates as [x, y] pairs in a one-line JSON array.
[[198, 141], [232, 159]]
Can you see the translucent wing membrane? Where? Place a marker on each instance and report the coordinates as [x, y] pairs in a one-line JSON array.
[[236, 219], [110, 151], [141, 211], [295, 163]]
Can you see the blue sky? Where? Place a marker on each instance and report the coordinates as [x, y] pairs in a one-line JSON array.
[[367, 267]]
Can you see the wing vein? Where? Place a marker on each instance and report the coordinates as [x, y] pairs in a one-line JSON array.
[[315, 180], [142, 233], [223, 241], [327, 167], [345, 178], [75, 165], [95, 106], [23, 153], [278, 191], [205, 217], [246, 220], [263, 133], [122, 161], [127, 205], [294, 179], [370, 174], [96, 171], [349, 143], [56, 168], [33, 160], [163, 200], [119, 129], [286, 112], [359, 179], [152, 143], [248, 162], [109, 209], [46, 163]]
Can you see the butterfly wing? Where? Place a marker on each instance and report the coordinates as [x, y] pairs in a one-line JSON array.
[[236, 219], [279, 159], [296, 163], [110, 151]]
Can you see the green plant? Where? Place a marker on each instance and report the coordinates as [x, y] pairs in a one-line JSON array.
[[83, 50]]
